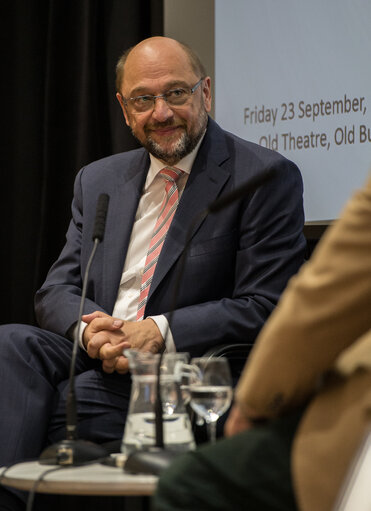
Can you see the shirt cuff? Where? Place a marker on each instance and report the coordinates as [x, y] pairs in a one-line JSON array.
[[163, 325], [82, 328]]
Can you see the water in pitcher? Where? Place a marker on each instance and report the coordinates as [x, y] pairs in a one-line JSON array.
[[140, 432], [140, 423]]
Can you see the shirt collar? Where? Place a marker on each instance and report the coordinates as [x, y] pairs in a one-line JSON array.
[[185, 164]]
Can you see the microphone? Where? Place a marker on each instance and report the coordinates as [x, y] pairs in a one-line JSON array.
[[72, 451], [155, 459], [100, 217]]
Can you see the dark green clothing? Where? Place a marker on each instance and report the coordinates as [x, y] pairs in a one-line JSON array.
[[249, 471]]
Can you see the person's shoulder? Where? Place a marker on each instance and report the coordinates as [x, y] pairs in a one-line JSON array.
[[245, 150], [258, 158], [118, 161], [255, 150]]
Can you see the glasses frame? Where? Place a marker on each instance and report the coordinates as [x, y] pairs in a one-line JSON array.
[[162, 96]]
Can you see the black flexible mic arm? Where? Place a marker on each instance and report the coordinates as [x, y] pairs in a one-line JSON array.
[[98, 234]]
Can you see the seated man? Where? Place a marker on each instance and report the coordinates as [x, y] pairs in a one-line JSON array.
[[283, 454], [236, 266]]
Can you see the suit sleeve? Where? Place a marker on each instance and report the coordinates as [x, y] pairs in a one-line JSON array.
[[57, 302], [324, 309]]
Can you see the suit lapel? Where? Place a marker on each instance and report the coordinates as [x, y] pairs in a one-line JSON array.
[[204, 184]]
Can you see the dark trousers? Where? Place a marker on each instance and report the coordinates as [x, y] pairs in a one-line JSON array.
[[250, 471], [34, 370]]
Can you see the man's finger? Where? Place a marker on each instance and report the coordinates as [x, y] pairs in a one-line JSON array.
[[97, 325], [105, 323], [95, 344], [122, 365], [108, 351], [108, 366], [87, 318]]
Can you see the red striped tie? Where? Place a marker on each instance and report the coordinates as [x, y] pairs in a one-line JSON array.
[[167, 211]]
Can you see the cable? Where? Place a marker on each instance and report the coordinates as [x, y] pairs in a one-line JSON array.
[[40, 478], [31, 494]]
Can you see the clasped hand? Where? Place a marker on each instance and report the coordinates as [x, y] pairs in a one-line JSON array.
[[106, 337]]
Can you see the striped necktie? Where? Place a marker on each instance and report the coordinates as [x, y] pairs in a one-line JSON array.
[[167, 211]]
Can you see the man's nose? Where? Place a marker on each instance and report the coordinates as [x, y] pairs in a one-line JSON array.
[[161, 110]]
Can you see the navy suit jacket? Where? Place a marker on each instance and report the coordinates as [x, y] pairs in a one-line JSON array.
[[238, 261]]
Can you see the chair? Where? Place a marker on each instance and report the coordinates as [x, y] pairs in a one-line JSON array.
[[236, 354], [233, 351]]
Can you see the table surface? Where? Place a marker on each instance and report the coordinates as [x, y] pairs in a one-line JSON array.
[[94, 479]]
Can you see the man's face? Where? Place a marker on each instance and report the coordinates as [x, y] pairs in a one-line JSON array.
[[169, 133]]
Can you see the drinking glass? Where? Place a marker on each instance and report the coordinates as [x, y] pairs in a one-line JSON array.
[[210, 387]]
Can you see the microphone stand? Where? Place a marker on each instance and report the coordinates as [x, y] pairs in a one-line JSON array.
[[72, 451]]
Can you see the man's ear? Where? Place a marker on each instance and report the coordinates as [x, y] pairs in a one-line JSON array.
[[122, 104], [206, 91]]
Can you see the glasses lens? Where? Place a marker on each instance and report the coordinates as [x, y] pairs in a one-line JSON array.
[[177, 97], [142, 103]]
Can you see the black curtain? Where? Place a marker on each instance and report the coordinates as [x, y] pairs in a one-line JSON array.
[[59, 113]]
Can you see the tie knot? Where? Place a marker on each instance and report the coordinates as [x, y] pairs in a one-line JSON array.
[[171, 173]]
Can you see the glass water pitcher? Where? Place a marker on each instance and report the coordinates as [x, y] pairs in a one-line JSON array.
[[140, 432]]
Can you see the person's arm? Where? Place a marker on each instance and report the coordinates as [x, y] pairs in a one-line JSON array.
[[324, 309], [57, 302]]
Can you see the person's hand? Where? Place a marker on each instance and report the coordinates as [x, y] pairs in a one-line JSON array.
[[103, 338], [106, 337], [143, 335], [236, 422], [140, 335]]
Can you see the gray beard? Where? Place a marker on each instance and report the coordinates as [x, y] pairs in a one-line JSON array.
[[182, 147]]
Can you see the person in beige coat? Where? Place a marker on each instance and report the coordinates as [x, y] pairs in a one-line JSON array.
[[303, 403]]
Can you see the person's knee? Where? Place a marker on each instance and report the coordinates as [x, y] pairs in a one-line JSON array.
[[24, 345], [12, 335]]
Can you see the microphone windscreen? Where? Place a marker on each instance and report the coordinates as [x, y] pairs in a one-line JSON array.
[[100, 217]]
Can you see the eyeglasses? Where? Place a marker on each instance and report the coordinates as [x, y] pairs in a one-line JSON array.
[[173, 97]]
